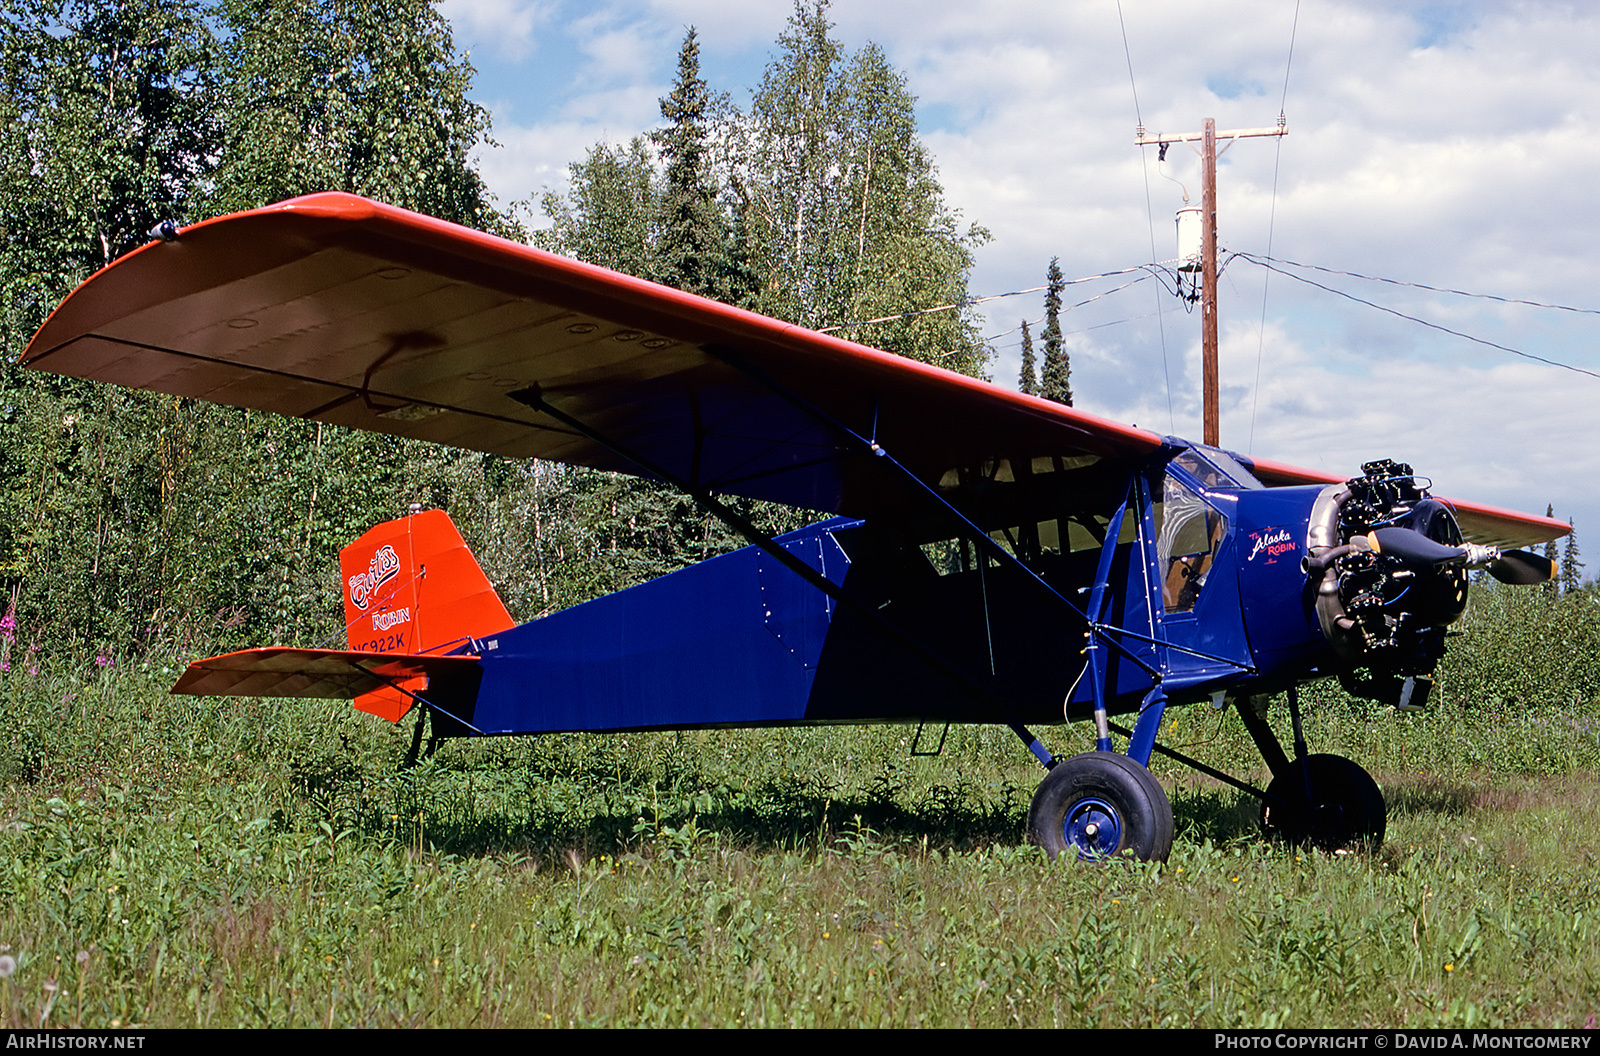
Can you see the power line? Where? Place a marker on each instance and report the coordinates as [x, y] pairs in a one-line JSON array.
[[914, 312], [1424, 322], [1272, 219], [1418, 285], [1149, 211], [1081, 329], [1080, 304]]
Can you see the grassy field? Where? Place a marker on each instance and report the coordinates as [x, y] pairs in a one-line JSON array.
[[171, 862]]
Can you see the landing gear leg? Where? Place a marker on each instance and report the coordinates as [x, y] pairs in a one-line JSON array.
[[418, 752], [416, 739], [1323, 801]]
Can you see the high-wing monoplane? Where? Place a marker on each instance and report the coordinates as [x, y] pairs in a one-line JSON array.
[[987, 557]]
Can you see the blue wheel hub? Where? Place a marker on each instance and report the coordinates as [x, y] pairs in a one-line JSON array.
[[1093, 827]]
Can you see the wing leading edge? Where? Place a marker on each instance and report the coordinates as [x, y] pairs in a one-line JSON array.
[[339, 309], [335, 308]]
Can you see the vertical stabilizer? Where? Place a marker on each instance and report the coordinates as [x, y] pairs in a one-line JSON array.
[[412, 586]]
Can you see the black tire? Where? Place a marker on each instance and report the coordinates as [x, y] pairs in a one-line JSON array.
[[1325, 801], [1101, 805]]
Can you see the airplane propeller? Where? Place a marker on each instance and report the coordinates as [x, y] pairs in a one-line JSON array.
[[1411, 547]]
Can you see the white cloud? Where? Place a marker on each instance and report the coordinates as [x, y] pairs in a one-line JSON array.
[[507, 26], [1454, 147]]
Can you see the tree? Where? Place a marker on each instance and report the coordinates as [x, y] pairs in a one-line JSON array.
[[1028, 381], [608, 216], [846, 217], [108, 119], [127, 518], [695, 250], [107, 125], [1571, 567], [369, 98], [1055, 382], [668, 225], [1554, 585], [661, 215], [819, 206]]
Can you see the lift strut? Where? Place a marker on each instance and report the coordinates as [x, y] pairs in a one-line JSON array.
[[532, 397]]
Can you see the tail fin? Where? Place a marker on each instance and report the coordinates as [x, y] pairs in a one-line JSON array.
[[411, 586]]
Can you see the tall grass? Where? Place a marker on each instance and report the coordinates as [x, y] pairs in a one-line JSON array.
[[170, 861]]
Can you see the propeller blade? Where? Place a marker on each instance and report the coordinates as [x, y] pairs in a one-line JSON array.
[[1522, 568], [1413, 548]]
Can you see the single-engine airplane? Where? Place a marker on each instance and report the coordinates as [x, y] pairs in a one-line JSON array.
[[989, 557]]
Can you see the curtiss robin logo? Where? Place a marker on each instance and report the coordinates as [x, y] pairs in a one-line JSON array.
[[384, 566]]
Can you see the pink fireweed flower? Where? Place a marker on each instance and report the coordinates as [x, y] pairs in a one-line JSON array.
[[101, 661]]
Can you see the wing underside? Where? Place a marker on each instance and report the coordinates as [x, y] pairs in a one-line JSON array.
[[342, 310]]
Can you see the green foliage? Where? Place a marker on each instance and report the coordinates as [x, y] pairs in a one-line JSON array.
[[1571, 564], [129, 519], [1028, 379], [369, 98], [608, 216], [819, 206], [846, 218], [697, 250], [107, 125], [1554, 586], [172, 861], [1055, 382]]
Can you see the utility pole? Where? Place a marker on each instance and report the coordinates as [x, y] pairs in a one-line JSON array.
[[1207, 138]]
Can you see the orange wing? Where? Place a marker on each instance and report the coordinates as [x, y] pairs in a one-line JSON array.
[[339, 309]]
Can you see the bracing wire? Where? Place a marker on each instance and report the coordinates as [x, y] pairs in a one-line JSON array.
[[1272, 217], [1150, 214]]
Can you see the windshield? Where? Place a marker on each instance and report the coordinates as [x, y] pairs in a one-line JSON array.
[[1215, 470]]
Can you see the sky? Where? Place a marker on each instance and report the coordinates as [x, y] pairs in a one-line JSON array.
[[1447, 144]]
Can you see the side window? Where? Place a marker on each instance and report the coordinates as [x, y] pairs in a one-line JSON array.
[[1186, 543]]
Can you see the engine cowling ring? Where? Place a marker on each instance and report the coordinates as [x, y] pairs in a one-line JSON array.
[[1384, 620]]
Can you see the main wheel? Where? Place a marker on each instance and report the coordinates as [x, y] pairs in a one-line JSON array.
[[1325, 801], [1101, 804]]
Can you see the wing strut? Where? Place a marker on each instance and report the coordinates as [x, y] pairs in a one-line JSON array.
[[979, 537], [534, 398]]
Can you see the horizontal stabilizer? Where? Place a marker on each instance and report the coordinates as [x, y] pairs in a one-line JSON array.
[[330, 673]]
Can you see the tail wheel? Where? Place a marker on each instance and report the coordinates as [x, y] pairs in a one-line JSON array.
[[1101, 805], [1325, 801]]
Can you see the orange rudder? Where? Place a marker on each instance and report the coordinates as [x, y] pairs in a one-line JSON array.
[[412, 586]]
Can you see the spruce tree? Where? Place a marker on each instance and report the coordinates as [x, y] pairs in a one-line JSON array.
[[693, 250], [1571, 567], [1055, 382], [1554, 585], [1028, 381]]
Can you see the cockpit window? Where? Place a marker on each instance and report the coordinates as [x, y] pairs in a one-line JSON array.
[[1189, 532], [1215, 470]]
